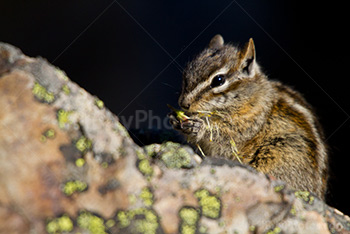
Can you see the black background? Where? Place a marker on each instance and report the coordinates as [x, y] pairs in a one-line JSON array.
[[131, 53]]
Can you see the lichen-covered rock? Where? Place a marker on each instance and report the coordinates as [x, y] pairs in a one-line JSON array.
[[68, 166]]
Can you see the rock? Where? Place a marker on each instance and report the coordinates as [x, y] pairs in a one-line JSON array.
[[67, 165]]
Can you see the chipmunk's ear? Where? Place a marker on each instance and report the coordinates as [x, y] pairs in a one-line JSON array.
[[216, 42], [248, 62]]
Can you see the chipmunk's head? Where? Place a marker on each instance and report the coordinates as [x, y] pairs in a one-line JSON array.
[[218, 77]]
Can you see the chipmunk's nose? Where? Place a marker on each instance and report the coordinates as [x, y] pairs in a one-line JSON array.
[[184, 104]]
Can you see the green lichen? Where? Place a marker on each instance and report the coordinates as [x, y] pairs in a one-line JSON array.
[[99, 103], [279, 188], [147, 197], [293, 211], [304, 195], [175, 156], [210, 205], [189, 217], [186, 229], [74, 186], [139, 220], [83, 144], [140, 154], [110, 223], [80, 162], [145, 167], [63, 118], [152, 150], [311, 200], [42, 94], [252, 228], [124, 218], [276, 230], [66, 89], [132, 199], [58, 225], [203, 229], [121, 129], [62, 74], [91, 222], [48, 134], [178, 159], [43, 138]]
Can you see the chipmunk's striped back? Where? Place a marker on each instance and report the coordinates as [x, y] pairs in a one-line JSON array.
[[301, 138]]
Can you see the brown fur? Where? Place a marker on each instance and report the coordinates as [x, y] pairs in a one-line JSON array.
[[273, 127]]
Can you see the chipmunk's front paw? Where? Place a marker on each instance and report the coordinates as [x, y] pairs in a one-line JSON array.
[[174, 121], [190, 126]]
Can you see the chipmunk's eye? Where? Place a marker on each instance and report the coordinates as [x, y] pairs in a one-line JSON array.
[[217, 81]]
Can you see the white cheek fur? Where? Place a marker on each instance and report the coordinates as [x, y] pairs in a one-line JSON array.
[[221, 88]]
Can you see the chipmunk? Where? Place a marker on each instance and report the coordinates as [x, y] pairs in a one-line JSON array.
[[234, 111]]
